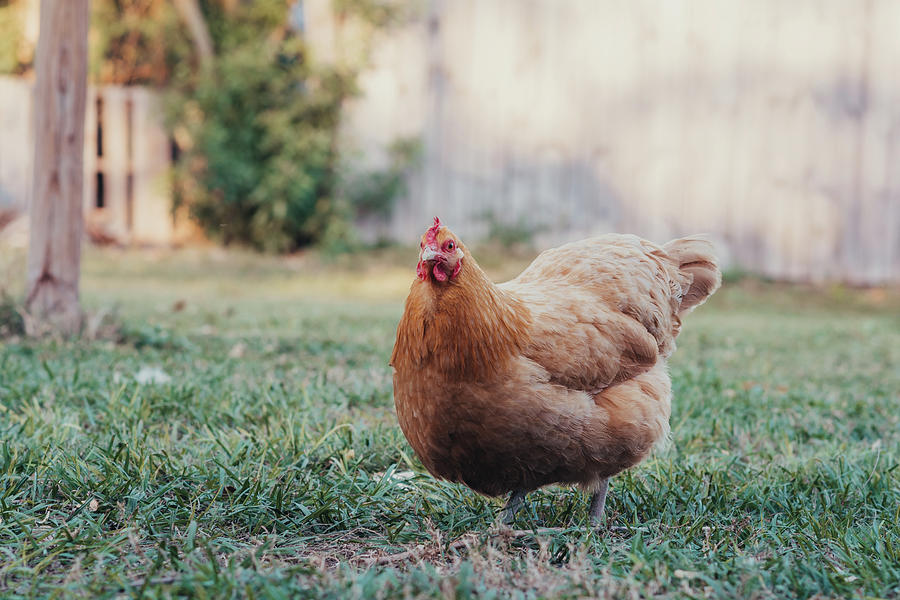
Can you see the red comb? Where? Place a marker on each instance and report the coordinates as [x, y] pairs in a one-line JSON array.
[[431, 234]]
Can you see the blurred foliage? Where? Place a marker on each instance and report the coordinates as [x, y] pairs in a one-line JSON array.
[[372, 193], [137, 42], [518, 234], [131, 41], [258, 134], [259, 162], [16, 54]]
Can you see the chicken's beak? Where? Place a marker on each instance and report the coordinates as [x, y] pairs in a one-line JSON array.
[[429, 253]]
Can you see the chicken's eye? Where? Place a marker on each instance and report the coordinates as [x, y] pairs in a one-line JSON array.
[[449, 245]]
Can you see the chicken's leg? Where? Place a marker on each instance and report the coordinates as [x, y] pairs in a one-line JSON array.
[[516, 501], [598, 501]]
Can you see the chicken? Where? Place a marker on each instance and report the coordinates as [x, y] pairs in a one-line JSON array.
[[557, 376]]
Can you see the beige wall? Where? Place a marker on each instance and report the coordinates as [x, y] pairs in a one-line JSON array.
[[772, 125]]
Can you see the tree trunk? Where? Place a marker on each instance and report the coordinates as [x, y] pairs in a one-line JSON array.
[[54, 251], [190, 13]]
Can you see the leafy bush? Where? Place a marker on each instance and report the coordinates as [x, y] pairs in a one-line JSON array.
[[258, 135], [260, 165]]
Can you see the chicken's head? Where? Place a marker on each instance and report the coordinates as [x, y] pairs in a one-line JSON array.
[[441, 256]]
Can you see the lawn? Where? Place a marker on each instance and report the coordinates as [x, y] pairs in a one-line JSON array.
[[234, 436]]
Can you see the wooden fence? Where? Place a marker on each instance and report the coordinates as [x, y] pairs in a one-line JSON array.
[[127, 155], [16, 143], [774, 126]]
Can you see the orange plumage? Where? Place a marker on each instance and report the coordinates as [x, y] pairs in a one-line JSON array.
[[558, 376]]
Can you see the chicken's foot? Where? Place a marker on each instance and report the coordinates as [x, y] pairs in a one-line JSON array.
[[516, 501], [598, 501]]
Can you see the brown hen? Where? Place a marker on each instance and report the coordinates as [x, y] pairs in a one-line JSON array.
[[558, 376]]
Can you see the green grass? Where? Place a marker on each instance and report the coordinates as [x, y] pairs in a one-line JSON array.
[[271, 465]]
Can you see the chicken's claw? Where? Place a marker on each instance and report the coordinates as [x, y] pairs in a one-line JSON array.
[[516, 501]]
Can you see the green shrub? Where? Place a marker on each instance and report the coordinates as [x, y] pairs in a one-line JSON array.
[[262, 125], [258, 131]]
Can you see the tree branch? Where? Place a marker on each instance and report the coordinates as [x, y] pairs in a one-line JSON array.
[[192, 16]]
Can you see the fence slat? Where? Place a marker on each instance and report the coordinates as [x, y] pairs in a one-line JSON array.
[[16, 146], [153, 222], [90, 151], [115, 161]]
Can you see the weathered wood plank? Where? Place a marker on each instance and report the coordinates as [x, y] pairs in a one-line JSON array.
[[16, 129], [153, 223], [115, 162]]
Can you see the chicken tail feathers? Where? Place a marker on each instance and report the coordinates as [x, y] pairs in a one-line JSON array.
[[696, 260]]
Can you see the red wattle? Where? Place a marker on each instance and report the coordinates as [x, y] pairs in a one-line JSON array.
[[439, 273]]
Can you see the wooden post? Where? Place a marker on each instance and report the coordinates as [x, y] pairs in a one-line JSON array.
[[54, 252]]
